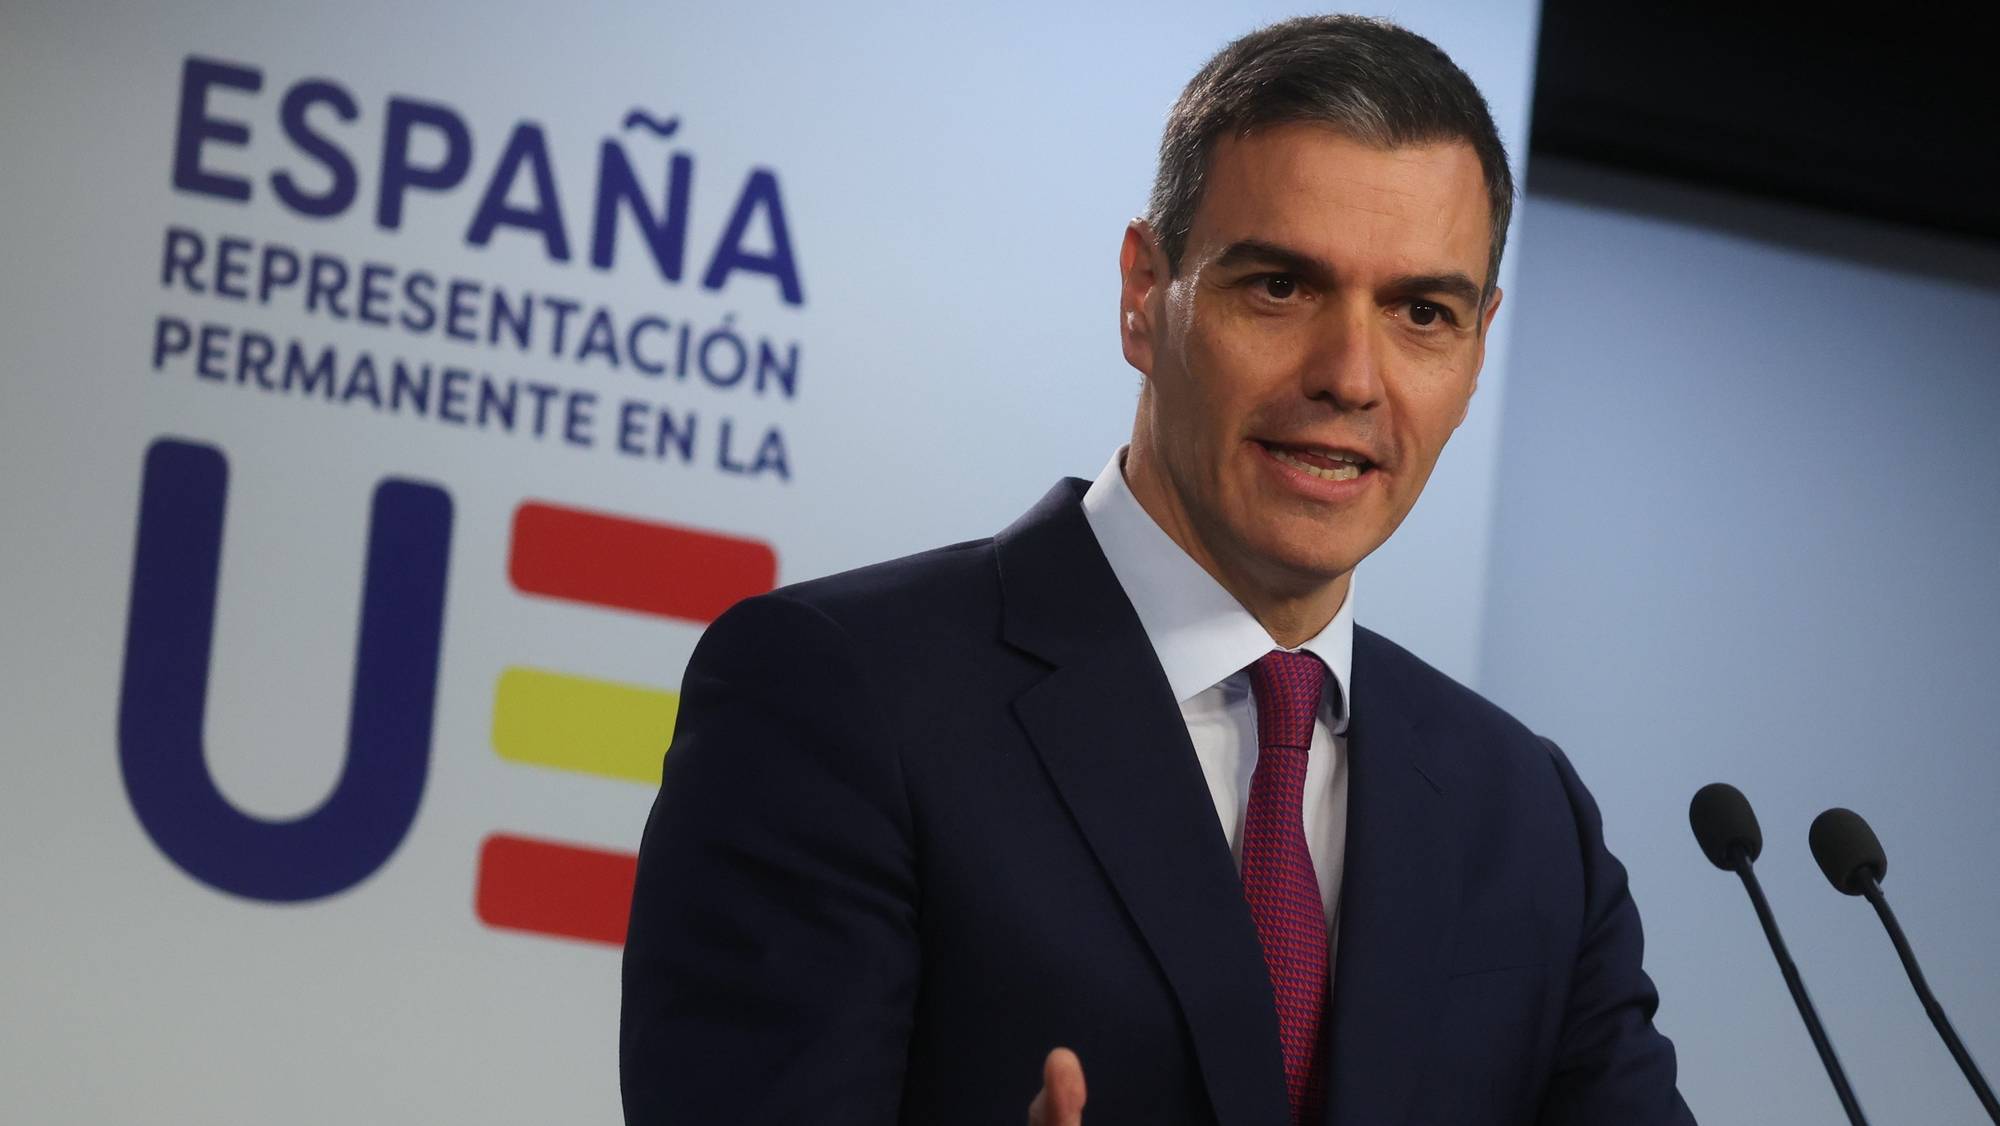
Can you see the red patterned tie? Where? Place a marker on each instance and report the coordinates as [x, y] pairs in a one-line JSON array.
[[1278, 877]]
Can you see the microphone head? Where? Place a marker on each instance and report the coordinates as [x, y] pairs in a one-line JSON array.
[[1723, 820], [1847, 850]]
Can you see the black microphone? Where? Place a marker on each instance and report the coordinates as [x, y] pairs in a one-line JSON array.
[[1852, 858], [1726, 828]]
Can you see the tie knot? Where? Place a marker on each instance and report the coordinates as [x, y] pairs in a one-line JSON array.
[[1287, 688]]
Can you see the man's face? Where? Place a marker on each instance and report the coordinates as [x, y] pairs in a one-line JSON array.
[[1319, 346]]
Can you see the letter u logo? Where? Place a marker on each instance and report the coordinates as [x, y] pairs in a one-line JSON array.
[[165, 690]]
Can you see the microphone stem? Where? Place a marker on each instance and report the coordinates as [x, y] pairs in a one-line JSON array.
[[1873, 890], [1797, 985]]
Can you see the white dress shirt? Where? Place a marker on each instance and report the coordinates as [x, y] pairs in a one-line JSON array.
[[1206, 641]]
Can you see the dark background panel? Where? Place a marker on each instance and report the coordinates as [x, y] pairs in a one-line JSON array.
[[1894, 117]]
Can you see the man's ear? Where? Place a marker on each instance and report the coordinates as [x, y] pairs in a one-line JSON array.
[[1486, 314], [1479, 360], [1141, 274]]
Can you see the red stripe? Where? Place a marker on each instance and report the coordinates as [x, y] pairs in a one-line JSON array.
[[638, 565], [557, 889]]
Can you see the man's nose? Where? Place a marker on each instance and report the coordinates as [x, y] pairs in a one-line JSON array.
[[1343, 366]]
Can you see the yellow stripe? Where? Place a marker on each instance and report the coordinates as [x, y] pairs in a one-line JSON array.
[[576, 723]]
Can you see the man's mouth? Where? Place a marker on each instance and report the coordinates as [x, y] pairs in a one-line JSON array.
[[1326, 464]]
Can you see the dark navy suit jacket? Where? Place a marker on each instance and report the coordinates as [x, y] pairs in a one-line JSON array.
[[922, 822]]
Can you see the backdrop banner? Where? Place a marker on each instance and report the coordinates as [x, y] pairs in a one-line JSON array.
[[392, 394]]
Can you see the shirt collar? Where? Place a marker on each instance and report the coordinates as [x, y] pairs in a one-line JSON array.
[[1200, 633]]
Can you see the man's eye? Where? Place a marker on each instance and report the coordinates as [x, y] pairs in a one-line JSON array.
[[1278, 287], [1425, 313]]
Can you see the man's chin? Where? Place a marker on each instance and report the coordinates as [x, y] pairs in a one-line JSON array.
[[1302, 570]]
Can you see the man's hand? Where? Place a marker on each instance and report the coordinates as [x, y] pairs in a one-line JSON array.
[[1061, 1100]]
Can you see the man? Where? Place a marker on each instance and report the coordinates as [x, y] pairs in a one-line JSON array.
[[1123, 790]]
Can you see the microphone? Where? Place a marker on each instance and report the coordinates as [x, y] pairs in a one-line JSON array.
[[1852, 858], [1726, 828]]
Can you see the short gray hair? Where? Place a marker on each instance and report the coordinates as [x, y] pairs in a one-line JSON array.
[[1368, 79]]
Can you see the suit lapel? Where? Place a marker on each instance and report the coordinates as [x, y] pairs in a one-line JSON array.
[[1110, 735], [1399, 896]]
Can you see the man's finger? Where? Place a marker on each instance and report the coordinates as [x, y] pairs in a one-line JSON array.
[[1060, 1102]]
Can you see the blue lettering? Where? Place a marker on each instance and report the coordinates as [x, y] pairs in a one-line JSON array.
[[759, 192], [374, 293], [630, 425], [639, 360], [542, 393], [230, 267], [340, 191], [771, 455], [183, 252], [254, 351], [362, 382], [516, 319], [171, 337], [497, 401], [722, 459], [666, 233], [668, 437], [209, 352], [326, 281], [406, 386], [562, 307], [194, 126], [781, 370], [578, 417], [399, 175], [419, 314], [526, 146], [451, 401], [318, 376], [164, 689], [734, 361], [270, 276], [459, 310], [599, 339], [678, 438]]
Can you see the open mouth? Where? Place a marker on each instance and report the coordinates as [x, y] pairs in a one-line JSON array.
[[1321, 462]]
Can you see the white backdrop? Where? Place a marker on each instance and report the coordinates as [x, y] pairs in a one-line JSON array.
[[1749, 537], [952, 186]]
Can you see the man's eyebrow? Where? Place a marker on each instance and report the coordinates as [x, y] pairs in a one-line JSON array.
[[1256, 252], [1442, 285]]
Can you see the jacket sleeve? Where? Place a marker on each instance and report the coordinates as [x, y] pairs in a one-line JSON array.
[[1611, 1064], [771, 964]]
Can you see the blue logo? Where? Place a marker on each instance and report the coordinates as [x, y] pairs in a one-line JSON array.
[[164, 693]]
